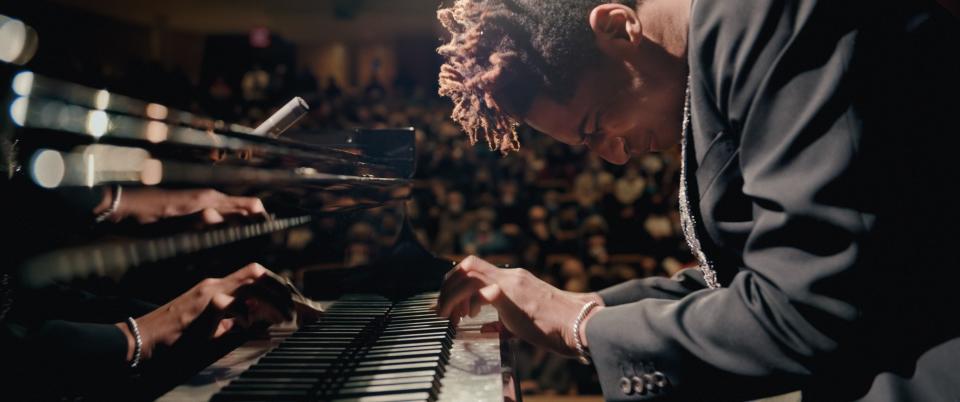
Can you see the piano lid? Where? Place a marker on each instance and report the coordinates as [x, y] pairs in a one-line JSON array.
[[335, 197]]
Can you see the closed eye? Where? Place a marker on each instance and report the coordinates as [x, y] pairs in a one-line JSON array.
[[597, 131]]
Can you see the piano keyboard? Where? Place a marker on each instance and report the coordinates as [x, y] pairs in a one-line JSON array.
[[113, 259], [365, 348]]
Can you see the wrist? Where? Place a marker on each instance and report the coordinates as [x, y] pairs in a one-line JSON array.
[[583, 325], [584, 298], [577, 329], [131, 341], [106, 199], [109, 206], [594, 296]]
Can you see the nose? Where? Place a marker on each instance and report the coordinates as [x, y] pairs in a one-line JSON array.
[[611, 149]]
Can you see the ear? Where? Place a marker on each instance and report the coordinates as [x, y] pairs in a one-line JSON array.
[[616, 29]]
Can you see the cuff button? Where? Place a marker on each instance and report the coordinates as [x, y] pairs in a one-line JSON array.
[[638, 385], [650, 383], [625, 386], [660, 380]]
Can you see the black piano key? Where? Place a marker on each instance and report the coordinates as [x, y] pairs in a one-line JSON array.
[[392, 368], [443, 339], [426, 387], [276, 382], [267, 395], [385, 364], [422, 330], [382, 376], [313, 356], [416, 396], [410, 346], [261, 372], [352, 383]]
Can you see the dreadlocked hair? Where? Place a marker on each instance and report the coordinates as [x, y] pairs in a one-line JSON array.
[[503, 53]]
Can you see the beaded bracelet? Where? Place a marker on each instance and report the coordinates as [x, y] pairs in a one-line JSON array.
[[117, 192], [138, 344], [582, 355]]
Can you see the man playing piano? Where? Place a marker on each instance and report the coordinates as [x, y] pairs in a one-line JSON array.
[[816, 141]]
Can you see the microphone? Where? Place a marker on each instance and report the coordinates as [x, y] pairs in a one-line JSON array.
[[283, 118]]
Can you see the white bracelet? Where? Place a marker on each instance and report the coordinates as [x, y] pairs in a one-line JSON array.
[[138, 342], [117, 192], [582, 355]]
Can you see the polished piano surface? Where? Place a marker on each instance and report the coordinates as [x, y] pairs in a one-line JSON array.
[[336, 226]]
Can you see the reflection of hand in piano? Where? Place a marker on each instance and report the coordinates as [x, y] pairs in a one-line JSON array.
[[212, 308], [149, 204]]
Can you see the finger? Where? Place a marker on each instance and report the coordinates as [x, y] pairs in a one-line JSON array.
[[456, 267], [452, 281], [475, 304], [243, 276], [474, 263], [223, 327], [258, 311], [274, 291], [222, 302], [491, 294], [211, 216], [461, 292], [461, 271], [463, 308], [243, 205]]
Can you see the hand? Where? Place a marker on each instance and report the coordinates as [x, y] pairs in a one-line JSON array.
[[210, 309], [529, 307], [149, 204]]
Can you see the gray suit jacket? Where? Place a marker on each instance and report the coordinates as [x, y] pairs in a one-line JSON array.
[[820, 161]]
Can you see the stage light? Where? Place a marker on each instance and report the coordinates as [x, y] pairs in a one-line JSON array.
[[23, 83], [102, 100], [18, 110], [97, 123], [18, 41], [47, 168]]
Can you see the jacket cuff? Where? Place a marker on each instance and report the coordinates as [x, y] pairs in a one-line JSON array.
[[622, 376]]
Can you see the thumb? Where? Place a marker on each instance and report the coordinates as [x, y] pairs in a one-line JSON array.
[[491, 294], [223, 327], [211, 216]]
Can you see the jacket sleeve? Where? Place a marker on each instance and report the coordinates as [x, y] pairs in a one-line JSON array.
[[789, 309], [73, 347], [681, 284]]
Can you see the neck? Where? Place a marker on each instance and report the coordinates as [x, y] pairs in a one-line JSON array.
[[665, 23], [663, 57]]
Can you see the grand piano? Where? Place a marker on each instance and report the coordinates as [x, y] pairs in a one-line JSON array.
[[336, 227]]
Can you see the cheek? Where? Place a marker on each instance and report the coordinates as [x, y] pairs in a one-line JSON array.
[[623, 113]]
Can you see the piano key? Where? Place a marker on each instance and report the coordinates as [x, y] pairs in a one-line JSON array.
[[389, 368], [383, 390], [417, 396], [272, 363], [350, 383], [266, 395], [356, 353]]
